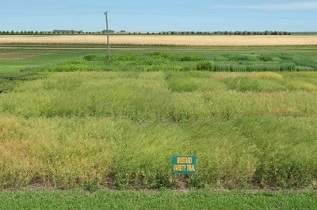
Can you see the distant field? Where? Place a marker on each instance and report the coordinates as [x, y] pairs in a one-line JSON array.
[[154, 59], [186, 40]]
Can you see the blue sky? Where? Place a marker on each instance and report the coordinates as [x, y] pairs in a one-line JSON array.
[[160, 15]]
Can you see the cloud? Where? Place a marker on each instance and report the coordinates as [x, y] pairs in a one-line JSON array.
[[286, 6]]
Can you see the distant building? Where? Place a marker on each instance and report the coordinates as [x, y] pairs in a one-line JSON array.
[[109, 31], [67, 32]]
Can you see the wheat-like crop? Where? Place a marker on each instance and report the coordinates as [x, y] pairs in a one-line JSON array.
[[188, 40]]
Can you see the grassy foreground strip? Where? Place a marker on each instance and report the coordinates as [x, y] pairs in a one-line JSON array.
[[156, 200]]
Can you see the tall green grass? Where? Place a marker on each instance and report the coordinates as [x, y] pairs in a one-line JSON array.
[[161, 96], [120, 129], [74, 119]]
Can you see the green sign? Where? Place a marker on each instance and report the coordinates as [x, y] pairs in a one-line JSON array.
[[184, 165]]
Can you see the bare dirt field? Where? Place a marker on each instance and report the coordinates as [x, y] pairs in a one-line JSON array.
[[189, 40]]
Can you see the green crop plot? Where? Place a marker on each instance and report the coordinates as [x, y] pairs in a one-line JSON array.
[[70, 118], [70, 129]]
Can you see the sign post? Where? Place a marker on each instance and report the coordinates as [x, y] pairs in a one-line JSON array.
[[184, 164]]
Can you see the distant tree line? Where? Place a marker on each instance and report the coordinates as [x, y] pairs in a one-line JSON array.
[[304, 33], [215, 33], [55, 32], [76, 32]]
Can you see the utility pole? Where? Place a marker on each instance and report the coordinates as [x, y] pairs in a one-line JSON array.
[[108, 35]]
